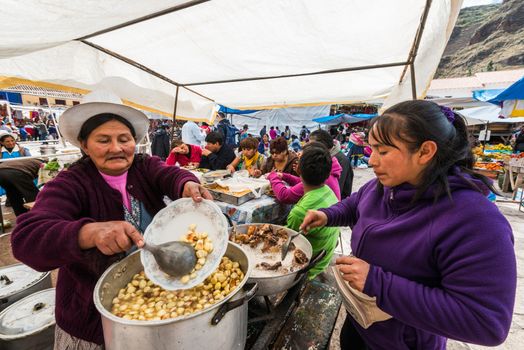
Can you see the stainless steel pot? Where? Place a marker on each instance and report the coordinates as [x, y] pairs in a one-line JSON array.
[[29, 323], [276, 284], [222, 326], [18, 281]]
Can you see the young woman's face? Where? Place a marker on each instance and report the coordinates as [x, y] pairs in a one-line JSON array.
[[394, 166], [279, 156], [111, 147], [265, 138], [9, 142], [249, 152]]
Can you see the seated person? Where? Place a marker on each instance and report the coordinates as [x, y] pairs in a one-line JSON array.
[[249, 158], [281, 160], [216, 154], [295, 144], [263, 146], [16, 177], [314, 168], [10, 148], [292, 194], [184, 154]]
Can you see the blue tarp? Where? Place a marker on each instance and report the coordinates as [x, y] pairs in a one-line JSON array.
[[227, 110], [496, 96], [486, 95], [343, 118], [12, 97], [514, 92]]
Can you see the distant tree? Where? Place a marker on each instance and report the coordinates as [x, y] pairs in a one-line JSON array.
[[470, 72], [490, 67]]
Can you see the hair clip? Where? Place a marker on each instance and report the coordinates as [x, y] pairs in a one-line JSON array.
[[450, 115]]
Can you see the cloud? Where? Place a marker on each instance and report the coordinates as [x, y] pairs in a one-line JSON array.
[[469, 3]]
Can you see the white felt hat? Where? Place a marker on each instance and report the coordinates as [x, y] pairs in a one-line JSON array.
[[99, 102]]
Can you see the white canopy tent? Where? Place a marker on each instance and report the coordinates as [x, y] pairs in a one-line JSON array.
[[183, 56], [487, 114]]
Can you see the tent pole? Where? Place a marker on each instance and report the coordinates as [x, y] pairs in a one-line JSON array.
[[174, 114], [413, 81]]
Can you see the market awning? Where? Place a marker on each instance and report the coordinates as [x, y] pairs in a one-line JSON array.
[[343, 118], [241, 54]]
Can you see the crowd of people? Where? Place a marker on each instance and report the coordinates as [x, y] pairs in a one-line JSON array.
[[427, 244]]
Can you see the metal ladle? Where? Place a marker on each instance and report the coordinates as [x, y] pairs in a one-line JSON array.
[[174, 258]]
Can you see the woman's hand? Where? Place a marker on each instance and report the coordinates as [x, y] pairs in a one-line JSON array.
[[313, 218], [110, 237], [195, 191], [206, 152], [354, 271], [255, 172], [176, 150], [230, 168]]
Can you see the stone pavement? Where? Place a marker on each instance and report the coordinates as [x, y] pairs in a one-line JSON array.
[[515, 338]]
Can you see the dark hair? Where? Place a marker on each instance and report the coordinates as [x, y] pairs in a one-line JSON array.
[[315, 164], [271, 127], [323, 137], [249, 143], [278, 145], [99, 119], [205, 124], [414, 122], [294, 137], [214, 137], [245, 126], [3, 137], [176, 143]]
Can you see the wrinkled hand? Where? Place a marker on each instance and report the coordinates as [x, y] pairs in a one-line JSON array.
[[176, 150], [354, 271], [195, 191], [313, 218], [110, 237], [206, 152]]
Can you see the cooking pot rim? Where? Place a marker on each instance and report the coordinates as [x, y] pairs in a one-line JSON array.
[[107, 314]]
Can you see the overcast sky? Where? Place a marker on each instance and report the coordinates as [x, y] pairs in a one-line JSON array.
[[468, 3]]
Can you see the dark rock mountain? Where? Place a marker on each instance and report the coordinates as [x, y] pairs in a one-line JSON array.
[[485, 38]]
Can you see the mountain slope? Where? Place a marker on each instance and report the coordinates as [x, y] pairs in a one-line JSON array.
[[489, 37]]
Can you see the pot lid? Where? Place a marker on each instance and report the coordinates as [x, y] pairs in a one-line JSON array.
[[29, 315], [15, 278]]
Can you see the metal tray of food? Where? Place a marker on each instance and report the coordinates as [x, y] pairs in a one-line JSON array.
[[230, 198]]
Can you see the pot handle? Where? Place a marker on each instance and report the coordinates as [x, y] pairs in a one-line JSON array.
[[224, 309], [314, 260]]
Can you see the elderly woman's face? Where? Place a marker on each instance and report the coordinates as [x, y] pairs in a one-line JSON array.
[[111, 147]]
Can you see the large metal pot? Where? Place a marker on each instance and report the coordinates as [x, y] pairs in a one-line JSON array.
[[222, 326], [29, 323], [276, 284], [47, 150], [18, 281]]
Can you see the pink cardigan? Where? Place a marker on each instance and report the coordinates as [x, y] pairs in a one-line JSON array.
[[182, 159], [291, 195]]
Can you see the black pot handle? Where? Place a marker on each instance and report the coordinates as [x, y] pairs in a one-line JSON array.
[[226, 307], [229, 220]]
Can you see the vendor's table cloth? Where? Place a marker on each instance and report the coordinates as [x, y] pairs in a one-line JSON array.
[[259, 210]]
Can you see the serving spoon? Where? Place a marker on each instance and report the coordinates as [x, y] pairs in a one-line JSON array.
[[285, 246], [174, 258]]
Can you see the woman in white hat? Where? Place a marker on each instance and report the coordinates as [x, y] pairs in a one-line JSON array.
[[10, 148], [89, 216]]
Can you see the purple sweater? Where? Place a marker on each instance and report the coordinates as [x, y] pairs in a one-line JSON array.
[[46, 237], [442, 270]]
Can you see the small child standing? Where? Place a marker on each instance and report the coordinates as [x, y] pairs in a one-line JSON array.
[[249, 158], [314, 168]]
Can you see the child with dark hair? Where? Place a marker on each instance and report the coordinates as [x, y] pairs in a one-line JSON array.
[[295, 143], [249, 158], [427, 243], [314, 168], [216, 155]]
